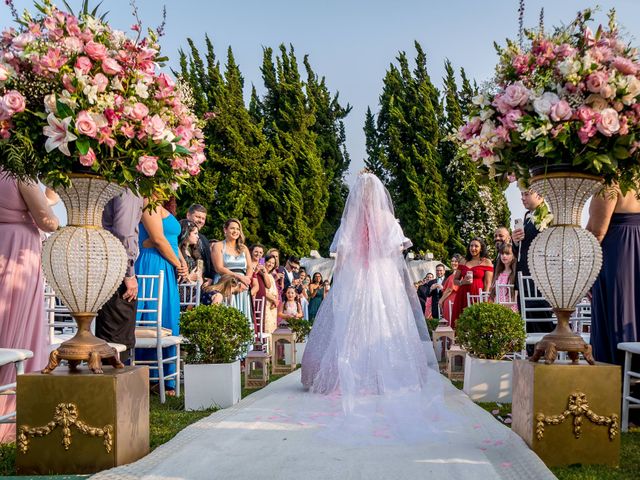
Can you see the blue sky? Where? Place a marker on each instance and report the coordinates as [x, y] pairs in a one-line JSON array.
[[352, 42]]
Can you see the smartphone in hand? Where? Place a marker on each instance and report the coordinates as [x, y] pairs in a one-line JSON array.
[[518, 224]]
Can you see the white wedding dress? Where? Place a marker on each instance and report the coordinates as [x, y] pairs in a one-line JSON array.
[[369, 344]]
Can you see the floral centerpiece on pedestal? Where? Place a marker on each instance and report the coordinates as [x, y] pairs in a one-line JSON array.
[[566, 97], [75, 93]]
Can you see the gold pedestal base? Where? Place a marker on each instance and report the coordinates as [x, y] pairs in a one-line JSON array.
[[562, 339], [84, 346], [77, 422], [568, 414]]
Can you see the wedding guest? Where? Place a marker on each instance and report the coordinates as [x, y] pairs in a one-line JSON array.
[[257, 252], [614, 219], [474, 274], [290, 307], [423, 293], [264, 286], [221, 292], [291, 269], [116, 320], [158, 240], [278, 272], [303, 291], [500, 237], [522, 239], [198, 215], [317, 292], [435, 289], [23, 210], [449, 292], [505, 274], [231, 256], [188, 245]]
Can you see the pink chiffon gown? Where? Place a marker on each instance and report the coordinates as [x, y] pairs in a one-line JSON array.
[[22, 323]]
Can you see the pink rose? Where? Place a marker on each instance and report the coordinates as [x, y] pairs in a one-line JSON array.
[[83, 64], [585, 114], [156, 127], [73, 44], [101, 82], [596, 81], [86, 125], [516, 95], [179, 163], [609, 122], [587, 131], [147, 165], [111, 66], [139, 111], [13, 102], [625, 66], [510, 119], [4, 73], [88, 159], [560, 111], [96, 51]]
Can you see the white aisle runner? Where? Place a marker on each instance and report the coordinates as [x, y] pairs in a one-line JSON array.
[[267, 437]]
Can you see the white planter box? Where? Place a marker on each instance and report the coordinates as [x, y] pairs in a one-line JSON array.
[[210, 385], [487, 380], [299, 352]]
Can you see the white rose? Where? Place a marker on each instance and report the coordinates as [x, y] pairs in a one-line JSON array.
[[596, 102], [486, 114], [50, 103], [480, 100], [569, 67], [542, 104], [633, 89], [141, 90]]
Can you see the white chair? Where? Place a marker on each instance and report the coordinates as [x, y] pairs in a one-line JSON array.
[[189, 295], [258, 315], [17, 357], [481, 297], [151, 335], [529, 294], [630, 377]]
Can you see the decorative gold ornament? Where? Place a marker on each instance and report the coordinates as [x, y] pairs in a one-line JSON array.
[[66, 416], [578, 406]]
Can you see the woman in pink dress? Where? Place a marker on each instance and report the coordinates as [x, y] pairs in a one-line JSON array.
[[449, 290], [505, 274], [475, 274], [23, 209]]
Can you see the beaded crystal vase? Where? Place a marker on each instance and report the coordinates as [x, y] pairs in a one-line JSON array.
[[84, 264], [564, 259]]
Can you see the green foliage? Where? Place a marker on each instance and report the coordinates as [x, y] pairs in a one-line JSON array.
[[404, 148], [279, 164], [300, 327], [489, 330], [214, 333], [432, 324]]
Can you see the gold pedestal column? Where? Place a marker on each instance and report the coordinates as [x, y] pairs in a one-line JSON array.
[[77, 422], [568, 414]]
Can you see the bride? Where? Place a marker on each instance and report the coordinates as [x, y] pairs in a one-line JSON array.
[[369, 341]]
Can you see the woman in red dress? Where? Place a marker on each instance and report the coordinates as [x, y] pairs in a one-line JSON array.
[[449, 290], [473, 275]]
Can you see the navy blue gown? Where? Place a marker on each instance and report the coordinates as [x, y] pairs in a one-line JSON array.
[[615, 307]]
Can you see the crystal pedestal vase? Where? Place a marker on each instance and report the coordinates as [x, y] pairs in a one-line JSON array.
[[84, 264], [564, 259]]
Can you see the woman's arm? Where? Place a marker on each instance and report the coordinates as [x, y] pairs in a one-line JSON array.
[[38, 206], [266, 278], [488, 278], [255, 287], [601, 209], [152, 221]]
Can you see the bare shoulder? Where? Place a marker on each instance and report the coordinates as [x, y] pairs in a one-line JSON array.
[[486, 262]]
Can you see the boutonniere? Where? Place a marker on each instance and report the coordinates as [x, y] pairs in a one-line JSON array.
[[542, 217]]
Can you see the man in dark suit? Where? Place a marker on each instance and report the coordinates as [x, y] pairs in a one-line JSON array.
[[435, 289], [522, 238], [198, 215], [291, 276]]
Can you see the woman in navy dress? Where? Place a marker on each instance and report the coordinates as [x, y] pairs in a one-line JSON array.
[[615, 309]]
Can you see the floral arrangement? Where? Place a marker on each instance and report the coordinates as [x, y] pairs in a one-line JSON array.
[[76, 94], [570, 97]]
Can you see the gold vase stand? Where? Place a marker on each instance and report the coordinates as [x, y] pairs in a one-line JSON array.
[[562, 339], [84, 346]]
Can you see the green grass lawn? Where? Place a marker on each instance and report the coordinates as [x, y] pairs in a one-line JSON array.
[[166, 420]]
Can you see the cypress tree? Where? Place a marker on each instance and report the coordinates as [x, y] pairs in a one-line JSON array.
[[408, 135], [330, 143]]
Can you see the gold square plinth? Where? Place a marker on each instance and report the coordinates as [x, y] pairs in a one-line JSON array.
[[568, 414], [79, 422]]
